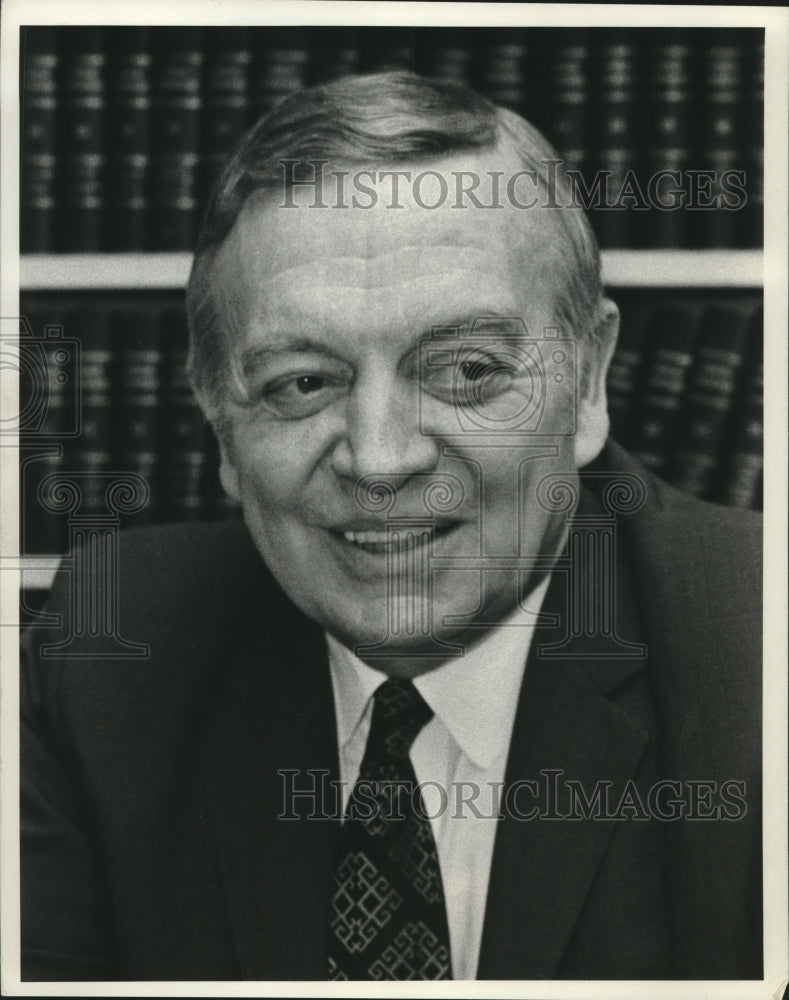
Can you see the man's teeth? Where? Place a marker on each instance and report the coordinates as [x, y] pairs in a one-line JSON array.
[[366, 537], [384, 538]]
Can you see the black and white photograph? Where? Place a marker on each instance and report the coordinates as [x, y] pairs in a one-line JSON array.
[[388, 455]]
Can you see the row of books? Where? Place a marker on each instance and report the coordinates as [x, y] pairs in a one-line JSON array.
[[104, 394], [124, 129], [685, 392]]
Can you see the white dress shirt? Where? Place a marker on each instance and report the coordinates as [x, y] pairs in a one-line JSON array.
[[463, 748]]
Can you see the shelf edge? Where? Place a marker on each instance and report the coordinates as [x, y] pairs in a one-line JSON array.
[[621, 269], [64, 272], [683, 268], [35, 572]]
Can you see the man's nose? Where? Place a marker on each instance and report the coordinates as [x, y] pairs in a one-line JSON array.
[[382, 434]]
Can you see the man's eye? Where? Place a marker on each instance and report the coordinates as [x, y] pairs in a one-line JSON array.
[[295, 396], [307, 384], [472, 381], [484, 380], [481, 369]]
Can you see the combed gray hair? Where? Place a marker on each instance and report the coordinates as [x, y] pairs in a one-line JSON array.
[[385, 119]]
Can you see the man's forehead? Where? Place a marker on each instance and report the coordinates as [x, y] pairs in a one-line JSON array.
[[430, 210]]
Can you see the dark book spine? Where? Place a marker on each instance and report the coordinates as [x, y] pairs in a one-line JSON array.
[[672, 336], [42, 532], [38, 139], [279, 66], [225, 99], [616, 112], [716, 207], [752, 215], [334, 54], [62, 365], [565, 113], [135, 333], [449, 55], [81, 157], [175, 134], [129, 89], [181, 423], [92, 453], [382, 49], [667, 139], [501, 72], [723, 336], [625, 370], [741, 479], [49, 398]]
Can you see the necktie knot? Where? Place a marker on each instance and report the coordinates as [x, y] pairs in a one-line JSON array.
[[399, 715]]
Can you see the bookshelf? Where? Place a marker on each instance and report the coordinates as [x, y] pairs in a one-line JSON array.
[[621, 269], [124, 130]]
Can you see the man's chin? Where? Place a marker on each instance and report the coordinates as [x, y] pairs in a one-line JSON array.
[[377, 628], [370, 641], [402, 659]]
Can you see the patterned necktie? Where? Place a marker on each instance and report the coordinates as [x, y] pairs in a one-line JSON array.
[[388, 915]]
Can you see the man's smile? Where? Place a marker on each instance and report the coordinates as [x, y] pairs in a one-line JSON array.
[[398, 537]]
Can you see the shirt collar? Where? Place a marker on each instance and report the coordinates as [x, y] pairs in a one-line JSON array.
[[475, 696], [354, 684]]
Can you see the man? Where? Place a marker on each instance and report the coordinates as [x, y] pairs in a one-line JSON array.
[[488, 706]]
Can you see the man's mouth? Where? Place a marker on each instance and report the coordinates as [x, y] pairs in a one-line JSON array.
[[383, 542]]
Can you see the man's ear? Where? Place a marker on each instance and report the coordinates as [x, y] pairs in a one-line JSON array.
[[227, 473], [594, 360]]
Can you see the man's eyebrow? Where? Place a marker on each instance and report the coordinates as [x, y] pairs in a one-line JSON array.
[[490, 319], [297, 345], [259, 353]]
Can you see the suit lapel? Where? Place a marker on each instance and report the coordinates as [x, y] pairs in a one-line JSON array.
[[274, 731], [542, 868]]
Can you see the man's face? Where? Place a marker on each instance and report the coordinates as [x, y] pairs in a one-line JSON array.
[[326, 310]]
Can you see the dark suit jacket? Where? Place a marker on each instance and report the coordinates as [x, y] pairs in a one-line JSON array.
[[151, 847]]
